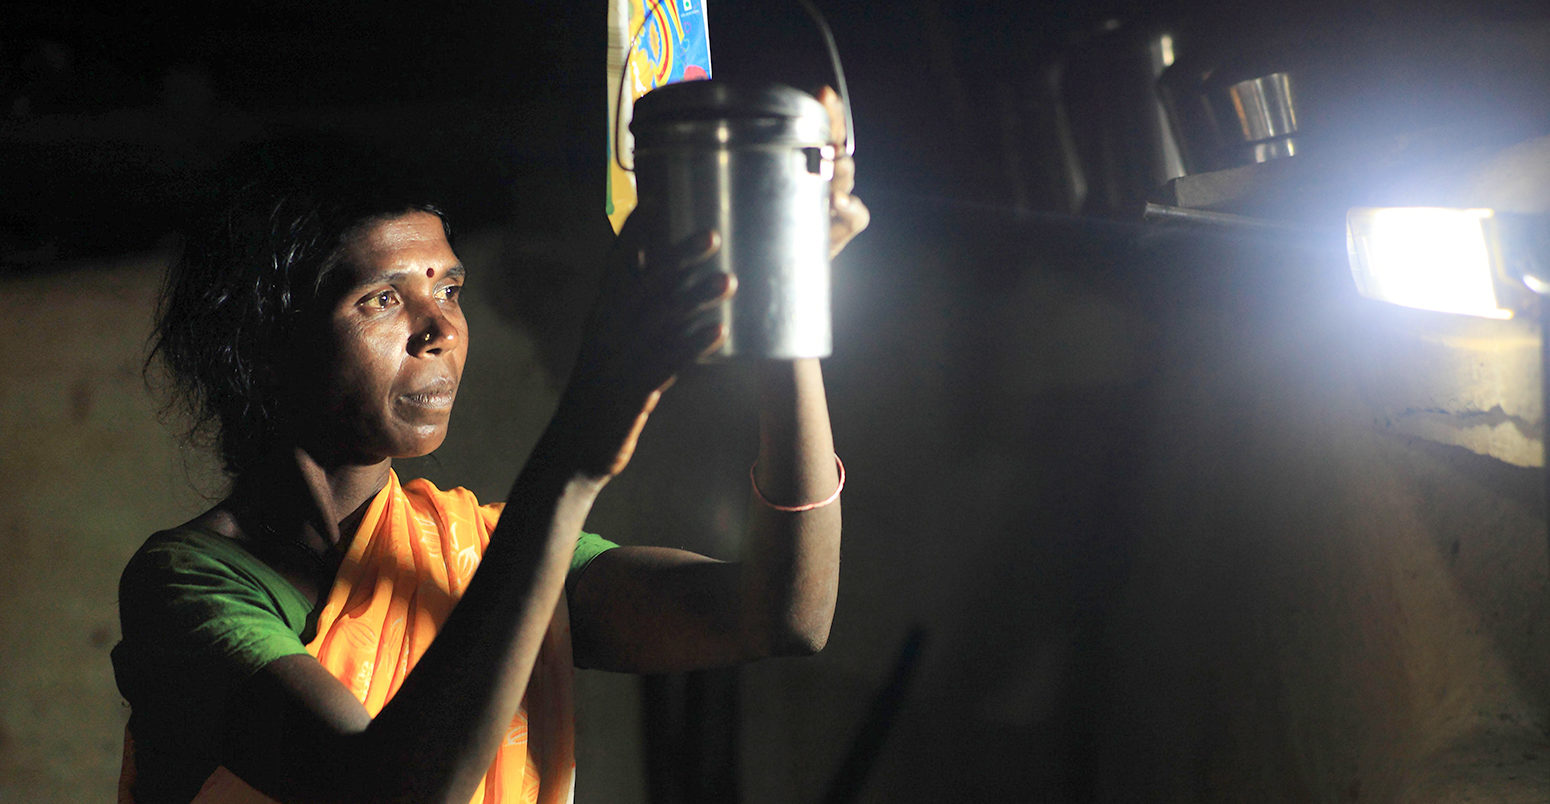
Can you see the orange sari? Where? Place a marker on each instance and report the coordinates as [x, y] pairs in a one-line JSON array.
[[415, 552]]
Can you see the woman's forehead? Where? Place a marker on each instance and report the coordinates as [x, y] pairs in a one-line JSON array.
[[414, 241]]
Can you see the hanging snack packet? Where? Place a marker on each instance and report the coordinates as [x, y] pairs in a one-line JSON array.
[[650, 43]]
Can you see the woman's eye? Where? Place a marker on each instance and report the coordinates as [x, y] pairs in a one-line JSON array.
[[381, 300], [451, 292]]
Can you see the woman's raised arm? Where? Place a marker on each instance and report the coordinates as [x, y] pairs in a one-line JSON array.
[[650, 609]]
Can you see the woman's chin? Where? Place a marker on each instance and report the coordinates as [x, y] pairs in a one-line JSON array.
[[371, 445], [426, 441]]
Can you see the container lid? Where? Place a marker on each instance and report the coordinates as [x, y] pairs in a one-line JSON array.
[[722, 100]]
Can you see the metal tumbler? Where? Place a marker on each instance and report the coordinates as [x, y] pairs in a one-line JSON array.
[[754, 163]]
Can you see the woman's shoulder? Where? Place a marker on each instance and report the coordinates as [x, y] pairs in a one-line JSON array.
[[190, 546], [194, 565]]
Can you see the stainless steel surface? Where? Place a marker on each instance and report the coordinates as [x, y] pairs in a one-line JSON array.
[[1231, 113], [753, 163], [1272, 149], [1264, 107]]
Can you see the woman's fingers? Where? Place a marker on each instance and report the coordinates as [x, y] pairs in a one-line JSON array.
[[656, 313], [836, 109], [698, 342], [844, 179], [685, 281], [683, 329], [663, 316], [847, 218], [661, 265], [847, 215], [708, 291], [690, 328]]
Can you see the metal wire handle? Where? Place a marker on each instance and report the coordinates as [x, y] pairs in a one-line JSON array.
[[829, 45], [839, 72]]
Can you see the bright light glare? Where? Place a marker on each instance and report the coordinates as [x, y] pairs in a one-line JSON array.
[[1431, 258]]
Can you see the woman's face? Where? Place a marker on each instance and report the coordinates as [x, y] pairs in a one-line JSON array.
[[383, 382]]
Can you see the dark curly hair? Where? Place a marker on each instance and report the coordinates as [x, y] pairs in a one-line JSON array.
[[252, 265]]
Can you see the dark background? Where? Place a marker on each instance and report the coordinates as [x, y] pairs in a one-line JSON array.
[[1127, 482], [112, 115]]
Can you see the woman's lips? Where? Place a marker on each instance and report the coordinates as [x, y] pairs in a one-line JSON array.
[[434, 396]]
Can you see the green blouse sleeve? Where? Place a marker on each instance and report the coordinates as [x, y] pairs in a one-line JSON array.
[[588, 547], [199, 615]]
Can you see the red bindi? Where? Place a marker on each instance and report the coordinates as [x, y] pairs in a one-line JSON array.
[[430, 272]]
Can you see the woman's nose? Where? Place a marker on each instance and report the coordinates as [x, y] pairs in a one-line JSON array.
[[434, 334]]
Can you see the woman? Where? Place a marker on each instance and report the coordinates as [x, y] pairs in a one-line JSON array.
[[321, 634]]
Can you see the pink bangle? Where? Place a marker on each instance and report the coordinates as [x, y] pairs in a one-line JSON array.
[[797, 509]]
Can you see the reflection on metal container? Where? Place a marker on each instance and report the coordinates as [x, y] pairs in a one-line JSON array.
[[1264, 107], [1228, 112], [753, 163], [1266, 116]]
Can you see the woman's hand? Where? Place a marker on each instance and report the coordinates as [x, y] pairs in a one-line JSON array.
[[655, 610], [847, 215], [655, 314]]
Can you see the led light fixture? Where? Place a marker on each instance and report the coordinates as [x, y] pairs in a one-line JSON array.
[[1431, 258], [1475, 262]]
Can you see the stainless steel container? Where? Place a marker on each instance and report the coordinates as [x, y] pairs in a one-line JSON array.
[[1264, 109], [754, 163], [1230, 108]]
